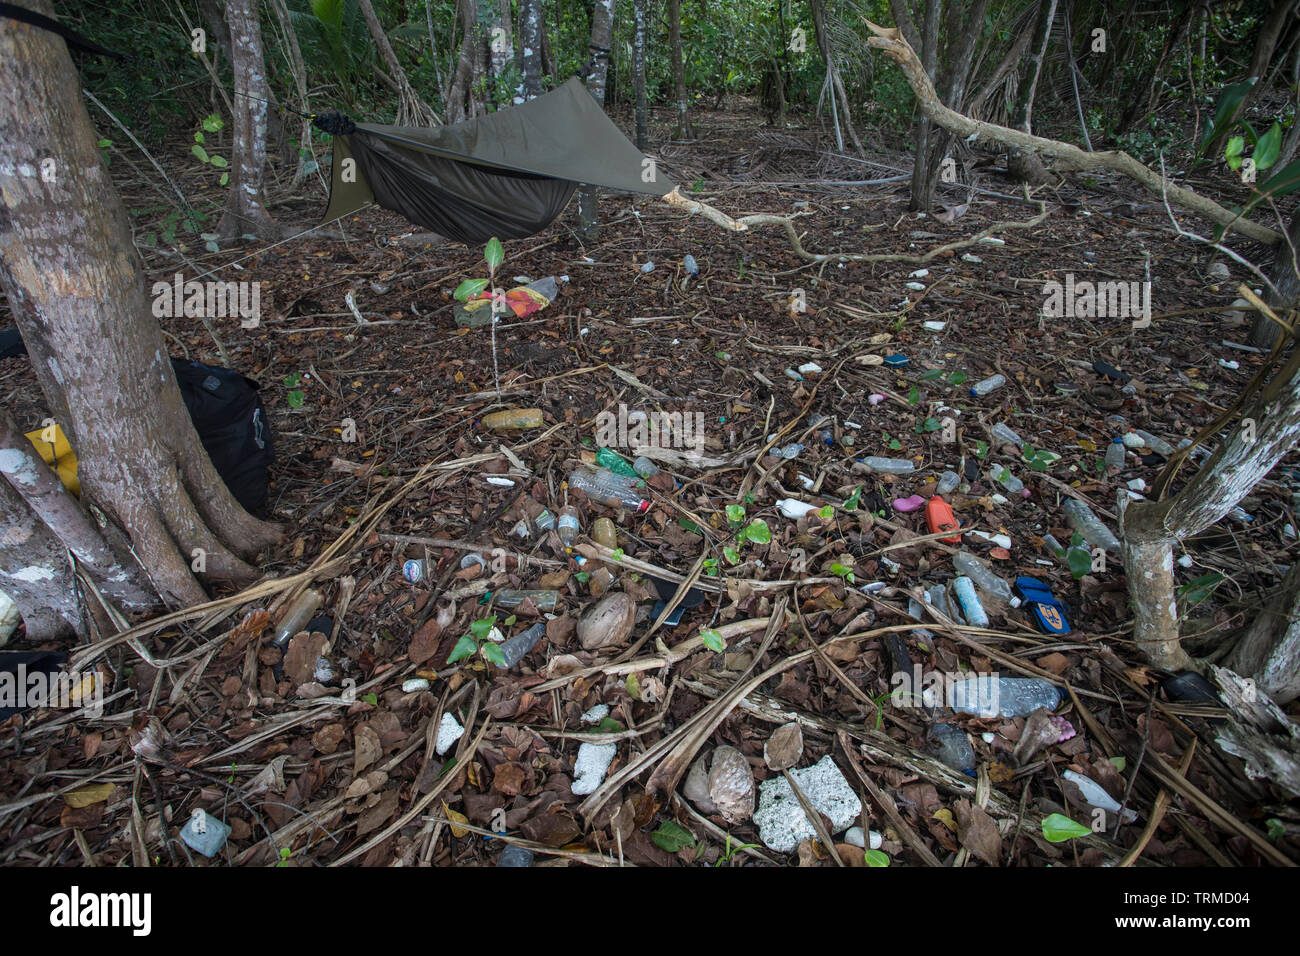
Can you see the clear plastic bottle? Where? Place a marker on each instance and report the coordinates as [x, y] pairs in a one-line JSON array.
[[1115, 456], [948, 482], [889, 466], [1157, 445], [968, 565], [1089, 525], [545, 600], [952, 747], [988, 385], [567, 526], [994, 696], [613, 461], [963, 588], [297, 615], [1132, 440], [644, 467], [1003, 434], [1054, 547], [1003, 476], [514, 418], [608, 489]]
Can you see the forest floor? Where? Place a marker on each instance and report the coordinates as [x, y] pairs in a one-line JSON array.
[[305, 777]]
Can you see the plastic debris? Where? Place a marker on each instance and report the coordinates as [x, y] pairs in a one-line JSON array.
[[590, 767], [911, 503], [971, 608], [782, 823], [989, 384], [888, 466], [1003, 696], [204, 833], [1097, 796], [514, 855], [1089, 525], [449, 731]]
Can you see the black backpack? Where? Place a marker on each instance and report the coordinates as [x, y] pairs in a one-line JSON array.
[[231, 421]]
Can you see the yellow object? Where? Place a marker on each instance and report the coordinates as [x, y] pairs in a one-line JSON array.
[[514, 418], [58, 455]]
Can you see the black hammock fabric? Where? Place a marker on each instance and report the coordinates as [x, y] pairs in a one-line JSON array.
[[507, 174]]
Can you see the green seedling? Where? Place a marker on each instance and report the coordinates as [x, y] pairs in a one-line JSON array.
[[476, 642]]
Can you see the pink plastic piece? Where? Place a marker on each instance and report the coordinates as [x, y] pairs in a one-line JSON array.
[[908, 504]]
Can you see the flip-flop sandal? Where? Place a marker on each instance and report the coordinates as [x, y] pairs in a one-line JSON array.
[[1048, 612]]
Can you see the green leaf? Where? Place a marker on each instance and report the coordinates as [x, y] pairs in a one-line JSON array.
[[1079, 560], [219, 162], [608, 725], [712, 640], [296, 398], [198, 137], [672, 837], [913, 395], [104, 143], [372, 699], [735, 514], [292, 379], [981, 449], [1270, 144], [851, 503], [845, 572], [1198, 589], [493, 654], [1228, 100], [758, 531], [464, 648], [956, 378], [200, 152], [1120, 763], [583, 577], [617, 554], [731, 554], [877, 858], [1284, 181], [1276, 830], [931, 374], [494, 253], [213, 122], [895, 444], [633, 686], [690, 526], [1234, 148], [826, 513], [931, 425], [225, 178], [1058, 828], [470, 288], [483, 627]]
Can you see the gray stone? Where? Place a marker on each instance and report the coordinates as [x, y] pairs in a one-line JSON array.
[[731, 784], [782, 823]]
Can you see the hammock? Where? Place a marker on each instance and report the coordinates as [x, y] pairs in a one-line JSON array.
[[507, 174]]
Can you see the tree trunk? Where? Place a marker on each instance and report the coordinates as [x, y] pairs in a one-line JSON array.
[[530, 47], [1147, 95], [1285, 276], [76, 289], [299, 71], [638, 74], [36, 574], [245, 211], [602, 31], [1151, 528], [836, 83], [467, 98], [682, 129], [1270, 648], [922, 194], [411, 110], [501, 50], [1024, 164], [1270, 30]]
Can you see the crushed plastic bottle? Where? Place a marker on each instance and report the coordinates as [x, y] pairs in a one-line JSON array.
[[514, 418], [612, 461], [1089, 525], [969, 566], [514, 855], [604, 534], [948, 482], [1002, 475], [888, 466], [963, 588], [1115, 456], [690, 265], [544, 599], [1003, 434], [516, 648], [1157, 445], [952, 747], [644, 467], [608, 489], [297, 616], [788, 452], [1132, 440], [994, 696], [989, 384], [1054, 547]]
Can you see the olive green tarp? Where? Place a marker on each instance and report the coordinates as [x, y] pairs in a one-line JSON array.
[[507, 174]]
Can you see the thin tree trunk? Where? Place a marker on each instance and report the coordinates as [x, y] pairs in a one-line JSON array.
[[602, 32], [299, 71], [922, 192], [683, 129], [245, 210], [500, 53], [1270, 31], [1270, 648], [530, 47], [76, 289], [1024, 164], [466, 99], [833, 72], [1285, 276], [411, 109], [638, 74]]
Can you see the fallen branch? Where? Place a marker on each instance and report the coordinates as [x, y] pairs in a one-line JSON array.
[[892, 43]]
